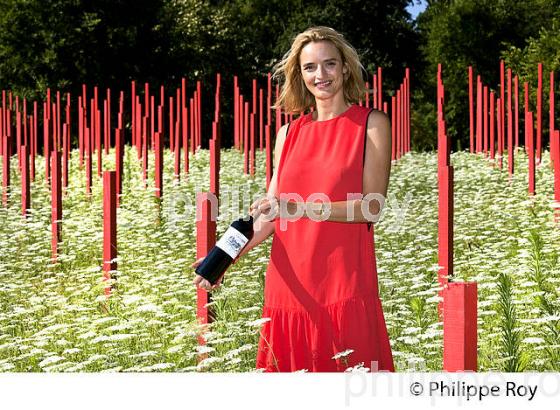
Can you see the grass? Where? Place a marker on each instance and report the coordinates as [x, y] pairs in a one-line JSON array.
[[54, 317]]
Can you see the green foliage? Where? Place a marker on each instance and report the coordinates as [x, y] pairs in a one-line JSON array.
[[543, 48], [471, 32]]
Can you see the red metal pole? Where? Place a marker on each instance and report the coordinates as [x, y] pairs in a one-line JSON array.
[[119, 148], [252, 147], [529, 128], [556, 138], [393, 128], [516, 88], [261, 114], [56, 200], [206, 215], [269, 164], [478, 114], [158, 164], [246, 138], [501, 131], [380, 88], [25, 193], [551, 126], [492, 124], [539, 112], [65, 150], [89, 153], [6, 168], [109, 226], [485, 120]]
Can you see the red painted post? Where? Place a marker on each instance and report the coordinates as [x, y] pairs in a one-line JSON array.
[[261, 122], [529, 138], [151, 132], [98, 142], [89, 153], [158, 164], [252, 146], [46, 141], [551, 126], [25, 193], [185, 138], [56, 200], [199, 112], [516, 88], [241, 126], [539, 113], [492, 123], [34, 139], [65, 151], [380, 88], [501, 130], [109, 226], [171, 126], [178, 152], [398, 125], [192, 113], [485, 120], [206, 215], [269, 100], [119, 152], [235, 113], [269, 165], [499, 127], [393, 128], [556, 138], [246, 138], [145, 151], [105, 131], [6, 168], [460, 327], [215, 162], [108, 120], [478, 114]]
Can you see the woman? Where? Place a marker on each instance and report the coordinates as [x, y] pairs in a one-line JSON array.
[[321, 291]]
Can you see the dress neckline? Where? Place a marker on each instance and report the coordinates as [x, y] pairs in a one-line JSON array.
[[341, 115]]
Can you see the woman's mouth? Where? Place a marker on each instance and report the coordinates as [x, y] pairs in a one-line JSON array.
[[323, 84]]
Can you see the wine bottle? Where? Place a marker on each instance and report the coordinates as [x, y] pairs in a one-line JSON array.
[[226, 249]]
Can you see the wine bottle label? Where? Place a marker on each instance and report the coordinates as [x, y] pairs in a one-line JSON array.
[[232, 242]]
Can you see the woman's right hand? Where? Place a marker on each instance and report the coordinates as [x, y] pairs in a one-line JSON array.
[[202, 283], [266, 205]]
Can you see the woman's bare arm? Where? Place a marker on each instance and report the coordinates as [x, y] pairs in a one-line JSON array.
[[263, 227]]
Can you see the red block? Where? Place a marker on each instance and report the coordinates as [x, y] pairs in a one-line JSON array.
[[109, 226], [460, 327]]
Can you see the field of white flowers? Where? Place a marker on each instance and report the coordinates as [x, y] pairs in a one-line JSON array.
[[55, 317]]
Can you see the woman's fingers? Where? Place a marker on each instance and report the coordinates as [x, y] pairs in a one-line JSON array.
[[196, 263]]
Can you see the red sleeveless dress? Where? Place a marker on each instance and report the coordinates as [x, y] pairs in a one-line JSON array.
[[321, 293]]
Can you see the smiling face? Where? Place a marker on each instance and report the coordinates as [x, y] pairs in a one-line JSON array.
[[322, 69]]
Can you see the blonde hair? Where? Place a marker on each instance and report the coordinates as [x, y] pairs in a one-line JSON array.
[[295, 97]]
